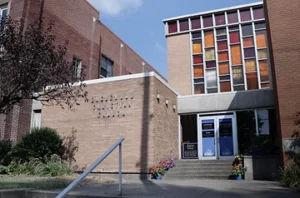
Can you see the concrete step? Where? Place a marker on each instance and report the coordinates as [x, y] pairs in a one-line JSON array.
[[202, 165], [223, 168], [198, 177], [186, 172]]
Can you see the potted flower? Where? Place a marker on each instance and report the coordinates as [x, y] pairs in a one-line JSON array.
[[158, 171], [238, 171]]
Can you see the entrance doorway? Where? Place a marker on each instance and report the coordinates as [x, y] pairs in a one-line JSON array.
[[217, 137]]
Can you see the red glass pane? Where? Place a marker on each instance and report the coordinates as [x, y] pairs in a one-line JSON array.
[[172, 27], [222, 45], [258, 13], [234, 37], [198, 59], [184, 25], [220, 19], [245, 15], [196, 24], [211, 64], [208, 21], [232, 17]]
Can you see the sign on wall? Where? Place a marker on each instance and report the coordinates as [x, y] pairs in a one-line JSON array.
[[190, 151]]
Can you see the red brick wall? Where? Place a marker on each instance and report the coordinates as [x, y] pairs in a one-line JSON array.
[[138, 125], [283, 24]]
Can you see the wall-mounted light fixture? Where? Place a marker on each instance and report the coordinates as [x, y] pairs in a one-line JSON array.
[[158, 96], [174, 107], [167, 102]]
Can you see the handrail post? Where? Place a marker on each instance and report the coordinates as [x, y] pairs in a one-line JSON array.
[[120, 169]]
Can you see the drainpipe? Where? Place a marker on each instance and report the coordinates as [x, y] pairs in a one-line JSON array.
[[41, 9]]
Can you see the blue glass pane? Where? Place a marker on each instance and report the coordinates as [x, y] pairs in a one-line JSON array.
[[226, 139], [208, 138]]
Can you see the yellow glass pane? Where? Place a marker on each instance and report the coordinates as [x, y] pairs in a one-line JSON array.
[[197, 48], [223, 68], [264, 71], [262, 53], [261, 39], [209, 39], [248, 42], [198, 71], [236, 56], [223, 56], [250, 65], [210, 54]]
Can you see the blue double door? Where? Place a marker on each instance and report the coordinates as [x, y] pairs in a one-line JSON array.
[[217, 137]]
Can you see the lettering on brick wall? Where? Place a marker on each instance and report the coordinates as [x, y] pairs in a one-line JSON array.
[[112, 106]]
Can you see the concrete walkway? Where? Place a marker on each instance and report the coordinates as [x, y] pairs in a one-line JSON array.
[[190, 189]]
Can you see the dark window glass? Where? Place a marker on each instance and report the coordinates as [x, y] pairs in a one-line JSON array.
[[247, 30], [222, 37], [224, 78], [234, 37], [258, 13], [199, 89], [200, 80], [196, 35], [106, 67], [234, 28], [184, 25], [238, 75], [208, 21], [245, 15], [172, 27], [196, 24], [260, 25], [221, 31], [77, 67], [232, 17], [210, 64], [215, 90], [220, 19], [239, 88], [249, 52], [3, 19]]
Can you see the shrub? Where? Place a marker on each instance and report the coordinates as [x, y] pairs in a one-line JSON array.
[[52, 167], [39, 143], [290, 175], [5, 148]]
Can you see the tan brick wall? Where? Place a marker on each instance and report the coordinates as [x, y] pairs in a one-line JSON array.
[[179, 63], [96, 135], [284, 37]]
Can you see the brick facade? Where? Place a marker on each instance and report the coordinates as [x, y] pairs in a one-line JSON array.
[[284, 40], [179, 63], [78, 27], [150, 128]]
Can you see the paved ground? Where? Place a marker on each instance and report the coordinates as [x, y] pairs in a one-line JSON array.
[[190, 189]]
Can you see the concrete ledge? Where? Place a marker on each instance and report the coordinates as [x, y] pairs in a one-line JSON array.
[[262, 167]]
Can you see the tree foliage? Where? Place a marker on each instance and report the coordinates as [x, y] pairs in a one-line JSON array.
[[30, 61]]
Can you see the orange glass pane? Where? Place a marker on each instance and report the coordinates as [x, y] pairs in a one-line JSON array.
[[223, 56], [261, 39], [248, 42], [252, 81], [198, 71], [250, 65], [197, 47], [265, 85], [225, 86], [209, 39], [198, 89], [236, 56], [223, 68], [264, 71]]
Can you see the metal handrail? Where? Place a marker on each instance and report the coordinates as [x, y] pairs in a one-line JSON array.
[[93, 166]]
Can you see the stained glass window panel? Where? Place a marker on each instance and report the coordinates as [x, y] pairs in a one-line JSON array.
[[172, 27], [232, 17], [211, 78], [198, 59], [250, 65], [225, 86], [224, 68], [236, 57], [238, 76], [197, 46], [249, 52], [222, 45], [196, 24], [234, 37], [245, 15], [184, 25], [248, 42], [220, 19], [221, 31], [265, 85], [223, 56], [261, 39], [262, 53], [252, 81], [239, 88], [199, 89], [211, 64], [207, 21], [210, 54], [247, 30], [209, 39], [258, 13], [264, 71], [260, 25], [198, 71], [196, 35]]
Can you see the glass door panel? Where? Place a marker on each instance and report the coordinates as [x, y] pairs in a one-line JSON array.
[[208, 138], [225, 134]]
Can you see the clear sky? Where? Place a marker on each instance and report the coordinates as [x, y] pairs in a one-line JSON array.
[[139, 22]]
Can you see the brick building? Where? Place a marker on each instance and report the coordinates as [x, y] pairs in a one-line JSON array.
[[90, 43]]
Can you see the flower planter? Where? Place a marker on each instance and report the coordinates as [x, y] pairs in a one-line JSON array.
[[239, 177], [158, 177]]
